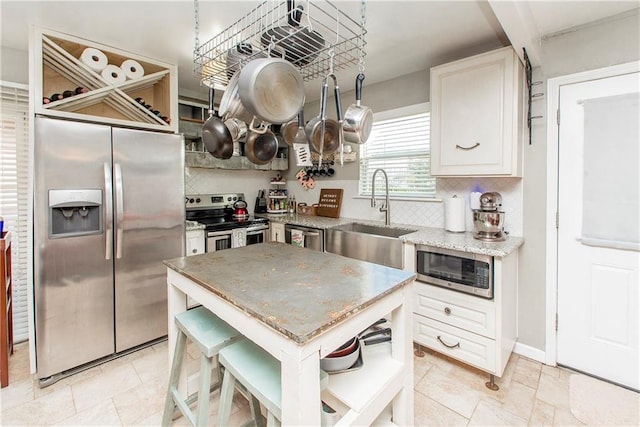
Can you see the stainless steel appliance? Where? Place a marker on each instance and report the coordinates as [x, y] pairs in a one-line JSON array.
[[313, 237], [488, 221], [108, 208], [224, 230], [460, 271]]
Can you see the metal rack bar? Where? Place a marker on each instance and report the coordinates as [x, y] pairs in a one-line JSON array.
[[319, 31]]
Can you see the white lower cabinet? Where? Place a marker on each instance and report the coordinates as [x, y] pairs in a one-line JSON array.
[[458, 343], [194, 242], [194, 245], [476, 331]]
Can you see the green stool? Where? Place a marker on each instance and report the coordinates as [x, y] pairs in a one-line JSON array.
[[259, 375], [210, 334]]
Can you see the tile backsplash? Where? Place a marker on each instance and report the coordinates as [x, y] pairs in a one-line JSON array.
[[421, 213]]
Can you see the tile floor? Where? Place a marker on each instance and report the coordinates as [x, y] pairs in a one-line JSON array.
[[130, 391]]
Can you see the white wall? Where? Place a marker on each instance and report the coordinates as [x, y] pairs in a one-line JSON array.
[[14, 65], [597, 45]]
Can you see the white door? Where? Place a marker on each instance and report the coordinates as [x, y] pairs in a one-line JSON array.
[[598, 233]]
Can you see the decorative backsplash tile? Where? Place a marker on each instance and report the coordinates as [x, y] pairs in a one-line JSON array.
[[422, 213]]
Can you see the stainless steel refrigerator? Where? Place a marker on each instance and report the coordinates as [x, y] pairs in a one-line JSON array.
[[108, 208]]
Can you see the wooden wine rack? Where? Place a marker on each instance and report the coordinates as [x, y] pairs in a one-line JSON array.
[[57, 68]]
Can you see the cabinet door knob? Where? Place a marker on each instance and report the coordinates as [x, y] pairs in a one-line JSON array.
[[460, 147], [194, 251], [447, 345], [447, 311]]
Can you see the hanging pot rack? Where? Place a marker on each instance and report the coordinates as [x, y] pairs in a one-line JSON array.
[[316, 36]]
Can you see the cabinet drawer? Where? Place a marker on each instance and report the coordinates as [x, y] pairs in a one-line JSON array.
[[470, 313], [462, 345]]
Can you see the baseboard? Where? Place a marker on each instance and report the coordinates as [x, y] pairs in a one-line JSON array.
[[530, 352]]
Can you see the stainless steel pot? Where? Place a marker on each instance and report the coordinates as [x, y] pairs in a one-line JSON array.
[[289, 131], [271, 89], [358, 119], [215, 135], [331, 135], [261, 148]]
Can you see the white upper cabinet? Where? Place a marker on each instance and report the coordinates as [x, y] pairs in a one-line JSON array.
[[477, 116]]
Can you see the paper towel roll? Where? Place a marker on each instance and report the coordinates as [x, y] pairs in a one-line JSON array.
[[132, 69], [95, 59], [454, 212], [113, 74]]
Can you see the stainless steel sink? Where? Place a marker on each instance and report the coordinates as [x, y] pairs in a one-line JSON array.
[[371, 243]]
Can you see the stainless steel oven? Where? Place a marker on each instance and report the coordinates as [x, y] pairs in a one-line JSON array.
[[241, 235], [461, 271], [223, 229]]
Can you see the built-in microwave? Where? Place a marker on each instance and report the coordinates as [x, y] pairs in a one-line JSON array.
[[456, 270]]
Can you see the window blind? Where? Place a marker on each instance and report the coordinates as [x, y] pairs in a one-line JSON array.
[[14, 175], [399, 144]]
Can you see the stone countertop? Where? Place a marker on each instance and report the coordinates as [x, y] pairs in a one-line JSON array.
[[298, 292], [193, 225], [440, 238], [430, 236]]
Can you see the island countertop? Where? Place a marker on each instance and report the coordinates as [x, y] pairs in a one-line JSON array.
[[296, 291]]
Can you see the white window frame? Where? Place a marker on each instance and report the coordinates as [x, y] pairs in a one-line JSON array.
[[14, 191], [364, 186]]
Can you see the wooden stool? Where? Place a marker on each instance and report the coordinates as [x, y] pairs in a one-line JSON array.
[[210, 334], [259, 374]]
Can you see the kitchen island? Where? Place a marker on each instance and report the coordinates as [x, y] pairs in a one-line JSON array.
[[300, 305]]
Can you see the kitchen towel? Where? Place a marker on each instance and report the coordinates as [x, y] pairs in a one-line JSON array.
[[454, 211], [132, 69], [95, 59], [113, 74], [297, 238]]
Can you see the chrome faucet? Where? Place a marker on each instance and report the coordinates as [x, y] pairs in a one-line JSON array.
[[386, 208]]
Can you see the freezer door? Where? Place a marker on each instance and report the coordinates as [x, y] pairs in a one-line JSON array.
[[73, 270], [148, 170]]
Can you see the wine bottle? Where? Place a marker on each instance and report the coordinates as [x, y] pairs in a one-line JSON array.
[[68, 93], [45, 100], [80, 90], [156, 112], [140, 101], [55, 97]]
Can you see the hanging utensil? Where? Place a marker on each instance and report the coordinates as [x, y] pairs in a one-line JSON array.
[[358, 119], [215, 135]]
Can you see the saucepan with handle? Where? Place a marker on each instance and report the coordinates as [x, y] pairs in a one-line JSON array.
[[358, 119]]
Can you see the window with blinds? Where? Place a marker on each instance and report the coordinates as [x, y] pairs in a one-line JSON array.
[[399, 144], [14, 178]]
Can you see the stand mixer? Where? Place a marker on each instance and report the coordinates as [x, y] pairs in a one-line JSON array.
[[488, 221]]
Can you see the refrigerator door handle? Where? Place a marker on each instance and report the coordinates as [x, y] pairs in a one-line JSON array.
[[108, 211], [119, 209]]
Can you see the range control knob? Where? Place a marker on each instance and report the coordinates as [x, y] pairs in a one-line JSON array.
[[198, 200], [191, 200]]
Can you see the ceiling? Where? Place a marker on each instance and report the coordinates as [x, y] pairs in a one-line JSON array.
[[403, 36]]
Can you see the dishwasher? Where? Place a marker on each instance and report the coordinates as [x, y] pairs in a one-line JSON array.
[[313, 237]]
